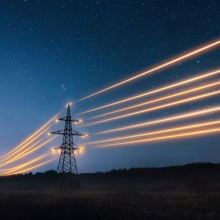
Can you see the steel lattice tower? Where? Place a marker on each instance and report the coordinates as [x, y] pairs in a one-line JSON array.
[[67, 161]]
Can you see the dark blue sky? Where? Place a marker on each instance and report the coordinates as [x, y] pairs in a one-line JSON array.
[[56, 51]]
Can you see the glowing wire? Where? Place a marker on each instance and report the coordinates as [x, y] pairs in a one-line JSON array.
[[194, 98], [22, 149], [31, 168], [32, 137], [12, 158], [32, 150], [197, 88], [160, 89], [25, 164], [175, 136], [163, 120], [28, 149], [195, 125], [27, 152], [159, 67]]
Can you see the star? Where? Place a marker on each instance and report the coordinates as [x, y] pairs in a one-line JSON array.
[[63, 87]]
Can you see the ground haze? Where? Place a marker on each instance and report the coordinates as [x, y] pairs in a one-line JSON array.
[[181, 192]]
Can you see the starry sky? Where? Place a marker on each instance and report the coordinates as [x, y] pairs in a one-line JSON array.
[[55, 51]]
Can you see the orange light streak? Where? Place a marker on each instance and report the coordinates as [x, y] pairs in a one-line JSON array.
[[195, 89], [27, 152], [28, 149], [32, 137], [34, 149], [160, 66], [194, 98], [25, 164], [160, 89], [20, 151], [14, 158], [21, 147], [31, 168], [170, 137], [194, 125], [164, 120]]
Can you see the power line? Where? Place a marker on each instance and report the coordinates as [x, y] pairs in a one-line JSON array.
[[154, 91], [160, 66]]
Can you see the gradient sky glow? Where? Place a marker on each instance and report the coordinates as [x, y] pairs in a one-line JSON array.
[[55, 51]]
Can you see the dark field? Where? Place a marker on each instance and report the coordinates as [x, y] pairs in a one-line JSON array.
[[189, 192], [108, 205]]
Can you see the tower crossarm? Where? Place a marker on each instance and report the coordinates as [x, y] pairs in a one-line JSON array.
[[57, 132], [68, 119], [63, 148], [62, 132], [76, 133]]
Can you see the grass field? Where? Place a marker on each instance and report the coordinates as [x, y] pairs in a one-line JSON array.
[[93, 204], [172, 193]]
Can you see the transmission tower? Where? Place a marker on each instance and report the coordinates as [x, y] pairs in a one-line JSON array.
[[67, 161]]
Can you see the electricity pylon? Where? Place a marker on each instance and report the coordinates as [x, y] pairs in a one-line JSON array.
[[67, 161]]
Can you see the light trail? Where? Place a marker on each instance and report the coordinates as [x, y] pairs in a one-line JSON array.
[[32, 137], [183, 101], [194, 125], [164, 120], [27, 152], [154, 91], [170, 137], [18, 156], [23, 148], [182, 57], [34, 149], [80, 151], [25, 164], [31, 168], [18, 149], [28, 149], [195, 89]]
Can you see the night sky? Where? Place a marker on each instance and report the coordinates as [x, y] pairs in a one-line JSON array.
[[54, 51]]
